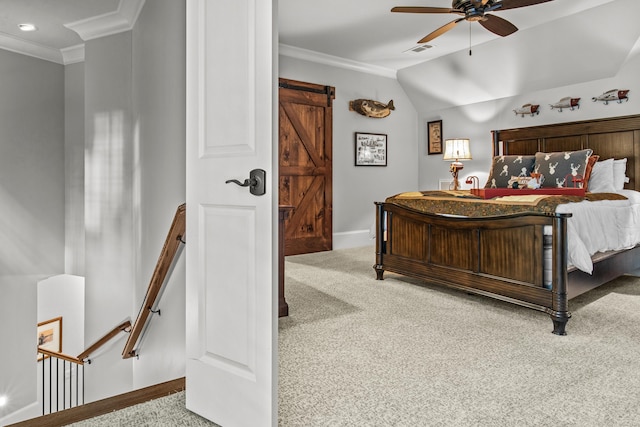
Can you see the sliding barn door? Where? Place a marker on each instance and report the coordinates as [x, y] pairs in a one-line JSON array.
[[305, 141], [231, 270]]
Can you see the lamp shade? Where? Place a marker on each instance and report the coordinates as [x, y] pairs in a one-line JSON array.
[[457, 149]]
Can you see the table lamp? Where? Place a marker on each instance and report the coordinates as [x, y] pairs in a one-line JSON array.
[[456, 150]]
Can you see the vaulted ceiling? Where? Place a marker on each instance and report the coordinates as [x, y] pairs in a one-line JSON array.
[[362, 31]]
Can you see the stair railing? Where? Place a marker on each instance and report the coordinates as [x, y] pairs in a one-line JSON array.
[[123, 327], [166, 262], [63, 375], [62, 385]]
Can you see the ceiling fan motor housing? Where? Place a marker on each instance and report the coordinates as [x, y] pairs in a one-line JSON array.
[[474, 10]]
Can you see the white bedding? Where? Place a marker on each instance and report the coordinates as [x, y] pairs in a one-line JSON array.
[[601, 226]]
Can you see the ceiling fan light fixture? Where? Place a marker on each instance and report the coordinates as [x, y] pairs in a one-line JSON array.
[[27, 27]]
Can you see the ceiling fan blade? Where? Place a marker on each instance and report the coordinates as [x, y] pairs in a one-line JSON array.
[[440, 31], [512, 4], [498, 26], [419, 9]]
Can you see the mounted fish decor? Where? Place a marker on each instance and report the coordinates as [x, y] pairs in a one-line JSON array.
[[566, 102], [612, 95], [370, 108], [532, 109]]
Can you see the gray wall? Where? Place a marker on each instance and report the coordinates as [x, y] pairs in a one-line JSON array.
[[134, 182], [159, 132], [355, 188], [31, 165], [74, 168], [32, 203], [109, 205]]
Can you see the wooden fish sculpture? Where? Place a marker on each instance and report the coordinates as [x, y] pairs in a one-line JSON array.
[[370, 108]]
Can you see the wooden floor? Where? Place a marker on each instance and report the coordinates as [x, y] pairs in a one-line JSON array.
[[105, 406]]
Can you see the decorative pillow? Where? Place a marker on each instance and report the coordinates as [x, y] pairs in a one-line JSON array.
[[559, 168], [587, 173], [505, 167], [619, 173], [601, 180]]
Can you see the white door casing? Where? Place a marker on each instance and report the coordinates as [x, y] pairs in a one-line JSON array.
[[231, 249]]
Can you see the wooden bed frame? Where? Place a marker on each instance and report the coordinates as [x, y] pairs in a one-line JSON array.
[[477, 255]]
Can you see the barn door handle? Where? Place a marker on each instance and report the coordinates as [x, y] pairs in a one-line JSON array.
[[256, 182]]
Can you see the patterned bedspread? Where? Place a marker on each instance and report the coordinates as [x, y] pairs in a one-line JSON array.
[[463, 203]]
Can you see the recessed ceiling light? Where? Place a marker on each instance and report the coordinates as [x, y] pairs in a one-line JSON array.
[[3, 400], [27, 27]]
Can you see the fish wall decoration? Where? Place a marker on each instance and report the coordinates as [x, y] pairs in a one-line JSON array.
[[370, 108], [531, 109], [566, 102], [612, 95]]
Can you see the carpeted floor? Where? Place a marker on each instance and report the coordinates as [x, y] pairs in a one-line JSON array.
[[359, 352], [169, 411], [355, 351]]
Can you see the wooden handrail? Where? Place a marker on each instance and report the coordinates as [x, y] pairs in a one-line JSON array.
[[165, 261], [61, 356], [102, 341]]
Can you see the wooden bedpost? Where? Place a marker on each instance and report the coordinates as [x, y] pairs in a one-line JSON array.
[[495, 136], [560, 304], [379, 240]]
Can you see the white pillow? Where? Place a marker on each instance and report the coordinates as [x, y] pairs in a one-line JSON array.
[[619, 173], [601, 180]]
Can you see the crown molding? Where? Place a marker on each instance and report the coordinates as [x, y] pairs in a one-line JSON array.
[[110, 23], [334, 61], [23, 47], [73, 54], [103, 25]]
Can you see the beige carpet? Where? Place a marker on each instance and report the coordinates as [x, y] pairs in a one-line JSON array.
[[359, 352]]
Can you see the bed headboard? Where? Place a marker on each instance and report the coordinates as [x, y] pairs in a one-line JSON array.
[[615, 137]]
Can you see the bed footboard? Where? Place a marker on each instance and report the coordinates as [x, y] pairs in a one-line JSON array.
[[500, 257]]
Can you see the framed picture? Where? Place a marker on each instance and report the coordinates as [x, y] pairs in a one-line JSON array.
[[50, 336], [371, 149], [434, 137]]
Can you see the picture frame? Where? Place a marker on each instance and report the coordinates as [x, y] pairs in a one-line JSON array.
[[434, 137], [49, 336], [370, 149]]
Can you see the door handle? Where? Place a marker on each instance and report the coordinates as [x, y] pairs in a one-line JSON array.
[[255, 182]]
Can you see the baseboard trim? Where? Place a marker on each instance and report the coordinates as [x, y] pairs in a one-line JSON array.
[[105, 406], [352, 239]]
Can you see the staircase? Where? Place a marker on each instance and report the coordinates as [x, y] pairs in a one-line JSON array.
[[105, 406], [62, 389]]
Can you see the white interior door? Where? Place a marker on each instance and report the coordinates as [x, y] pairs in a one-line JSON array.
[[231, 250]]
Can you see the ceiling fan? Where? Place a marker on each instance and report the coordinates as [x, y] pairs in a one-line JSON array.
[[473, 11]]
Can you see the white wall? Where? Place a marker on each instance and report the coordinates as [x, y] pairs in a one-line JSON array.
[[32, 201], [159, 126], [62, 295], [31, 165], [355, 188], [74, 168], [18, 378], [110, 255]]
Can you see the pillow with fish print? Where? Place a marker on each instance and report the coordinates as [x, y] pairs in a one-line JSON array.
[[503, 168], [560, 168]]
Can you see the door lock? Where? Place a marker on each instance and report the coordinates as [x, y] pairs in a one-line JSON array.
[[256, 182]]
